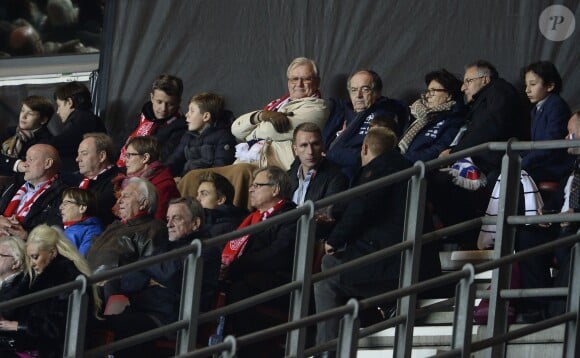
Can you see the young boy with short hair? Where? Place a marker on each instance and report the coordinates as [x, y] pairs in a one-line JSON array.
[[161, 117], [35, 113], [208, 141]]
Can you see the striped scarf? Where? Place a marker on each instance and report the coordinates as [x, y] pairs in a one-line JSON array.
[[235, 248], [423, 115], [15, 207]]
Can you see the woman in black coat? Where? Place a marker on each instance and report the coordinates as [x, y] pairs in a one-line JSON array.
[[52, 261]]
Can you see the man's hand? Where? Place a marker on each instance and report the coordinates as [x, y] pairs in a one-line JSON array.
[[11, 226], [444, 153], [8, 325], [279, 121]]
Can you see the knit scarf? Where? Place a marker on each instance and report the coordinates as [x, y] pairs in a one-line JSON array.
[[423, 115], [15, 208], [13, 145], [235, 248]]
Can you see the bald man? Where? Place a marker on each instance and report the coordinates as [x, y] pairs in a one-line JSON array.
[[33, 199]]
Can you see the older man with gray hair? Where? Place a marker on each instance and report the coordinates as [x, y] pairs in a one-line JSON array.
[[135, 235]]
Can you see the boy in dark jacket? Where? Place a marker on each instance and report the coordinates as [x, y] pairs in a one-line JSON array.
[[208, 141]]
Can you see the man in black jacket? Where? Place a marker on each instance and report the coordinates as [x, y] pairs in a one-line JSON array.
[[495, 115], [95, 160], [314, 177], [369, 223], [34, 200]]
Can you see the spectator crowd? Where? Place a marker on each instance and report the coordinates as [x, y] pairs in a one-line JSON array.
[[77, 203]]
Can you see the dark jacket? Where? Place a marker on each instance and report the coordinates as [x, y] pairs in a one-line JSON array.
[[45, 210], [344, 150], [271, 250], [328, 180], [102, 186], [223, 219], [42, 135], [374, 221], [437, 135], [81, 234], [67, 141], [162, 301], [549, 123], [42, 324], [123, 243], [215, 146], [169, 131], [12, 288], [495, 115]]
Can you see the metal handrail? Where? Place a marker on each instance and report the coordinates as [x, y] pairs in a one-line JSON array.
[[306, 238]]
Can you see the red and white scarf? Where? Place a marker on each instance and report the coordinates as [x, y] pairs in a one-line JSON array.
[[86, 180], [276, 104], [235, 248], [19, 209], [145, 127]]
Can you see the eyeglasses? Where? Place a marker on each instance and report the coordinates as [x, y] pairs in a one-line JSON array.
[[363, 89], [128, 155], [298, 79], [467, 81], [68, 202], [433, 91], [259, 185]]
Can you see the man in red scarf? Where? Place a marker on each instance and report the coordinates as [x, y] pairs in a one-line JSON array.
[[34, 200], [259, 262]]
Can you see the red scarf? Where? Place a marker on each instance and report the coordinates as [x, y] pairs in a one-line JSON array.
[[86, 180], [145, 127], [235, 248], [13, 206], [67, 224], [276, 104]]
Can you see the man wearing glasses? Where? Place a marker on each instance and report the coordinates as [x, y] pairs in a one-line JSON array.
[[276, 122], [495, 114], [349, 122]]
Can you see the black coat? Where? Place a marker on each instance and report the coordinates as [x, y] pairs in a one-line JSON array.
[[328, 180], [169, 131], [45, 210], [67, 142], [162, 301], [269, 251], [374, 221], [223, 219], [42, 135], [103, 189], [42, 324], [215, 146], [496, 114]]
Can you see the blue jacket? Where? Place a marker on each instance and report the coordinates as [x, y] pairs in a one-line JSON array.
[[344, 150], [437, 135], [549, 123], [82, 233]]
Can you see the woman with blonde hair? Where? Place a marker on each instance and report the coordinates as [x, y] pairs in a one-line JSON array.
[[52, 260]]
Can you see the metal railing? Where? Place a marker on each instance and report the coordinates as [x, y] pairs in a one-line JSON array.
[[410, 248]]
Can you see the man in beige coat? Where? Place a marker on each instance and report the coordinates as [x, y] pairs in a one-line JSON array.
[[272, 127]]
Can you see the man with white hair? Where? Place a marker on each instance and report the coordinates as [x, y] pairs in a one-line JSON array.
[[135, 235]]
